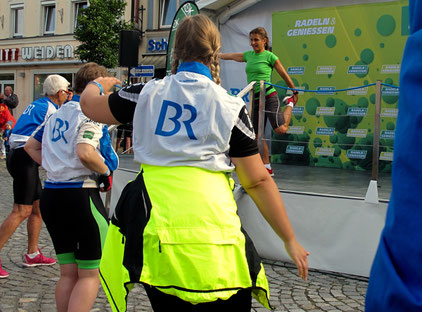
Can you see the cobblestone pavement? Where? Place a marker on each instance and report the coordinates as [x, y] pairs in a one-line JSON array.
[[32, 289]]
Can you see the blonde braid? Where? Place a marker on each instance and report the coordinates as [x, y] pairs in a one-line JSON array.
[[175, 63], [215, 69]]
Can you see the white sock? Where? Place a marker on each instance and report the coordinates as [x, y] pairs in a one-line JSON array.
[[33, 255], [268, 166]]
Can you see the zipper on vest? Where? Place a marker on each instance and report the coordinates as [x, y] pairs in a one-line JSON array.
[[159, 246]]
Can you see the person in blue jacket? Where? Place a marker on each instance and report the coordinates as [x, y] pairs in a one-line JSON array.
[[395, 282], [24, 171]]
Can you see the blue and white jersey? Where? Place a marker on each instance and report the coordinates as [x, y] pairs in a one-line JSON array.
[[191, 119], [60, 135], [34, 115]]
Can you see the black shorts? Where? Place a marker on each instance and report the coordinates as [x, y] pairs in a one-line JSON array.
[[26, 179], [120, 130], [125, 130], [161, 302], [77, 223], [273, 111]]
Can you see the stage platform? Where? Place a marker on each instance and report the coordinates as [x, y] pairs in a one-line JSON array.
[[315, 180]]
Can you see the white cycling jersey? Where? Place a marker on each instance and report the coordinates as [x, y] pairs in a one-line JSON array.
[[60, 135]]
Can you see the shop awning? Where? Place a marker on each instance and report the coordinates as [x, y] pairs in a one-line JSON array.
[[224, 9], [159, 61]]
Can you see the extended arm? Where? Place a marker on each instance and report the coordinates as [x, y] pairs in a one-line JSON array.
[[283, 74], [33, 148], [263, 190], [238, 57], [94, 105]]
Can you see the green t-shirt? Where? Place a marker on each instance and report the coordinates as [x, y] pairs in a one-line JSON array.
[[259, 67]]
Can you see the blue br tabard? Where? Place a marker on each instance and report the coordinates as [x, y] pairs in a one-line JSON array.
[[395, 282]]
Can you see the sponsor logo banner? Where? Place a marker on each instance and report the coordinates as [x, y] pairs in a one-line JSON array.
[[356, 154], [294, 149], [325, 110], [390, 69], [389, 112], [325, 131], [360, 91], [326, 90], [386, 156], [388, 134], [296, 70], [358, 69], [298, 110], [390, 91], [357, 133], [356, 111], [324, 70], [296, 129], [186, 9], [324, 151]]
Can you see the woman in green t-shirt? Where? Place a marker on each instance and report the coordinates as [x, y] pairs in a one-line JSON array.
[[260, 64]]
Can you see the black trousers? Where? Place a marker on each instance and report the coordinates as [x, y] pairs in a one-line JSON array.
[[161, 302]]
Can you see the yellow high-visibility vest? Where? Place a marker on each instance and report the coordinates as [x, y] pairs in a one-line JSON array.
[[177, 229]]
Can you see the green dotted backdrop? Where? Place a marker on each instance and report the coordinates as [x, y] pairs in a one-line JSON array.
[[336, 48]]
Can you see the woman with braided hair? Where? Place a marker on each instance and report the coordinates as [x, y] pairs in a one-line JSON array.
[[175, 228]]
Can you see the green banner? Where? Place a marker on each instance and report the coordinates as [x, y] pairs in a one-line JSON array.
[[188, 8], [335, 48]]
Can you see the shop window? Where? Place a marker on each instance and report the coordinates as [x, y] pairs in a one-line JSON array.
[[7, 80], [150, 15], [168, 9], [17, 17], [49, 19], [79, 6]]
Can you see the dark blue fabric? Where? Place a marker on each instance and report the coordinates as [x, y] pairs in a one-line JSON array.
[[395, 282], [76, 98], [110, 157], [32, 117], [60, 185]]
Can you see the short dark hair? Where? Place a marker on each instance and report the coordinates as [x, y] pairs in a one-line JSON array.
[[87, 73]]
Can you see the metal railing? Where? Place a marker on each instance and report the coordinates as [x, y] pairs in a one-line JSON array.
[[377, 115]]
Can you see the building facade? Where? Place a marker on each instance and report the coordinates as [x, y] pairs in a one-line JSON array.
[[36, 39]]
